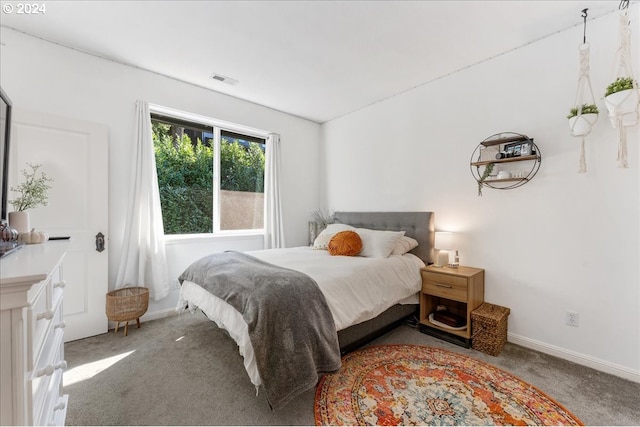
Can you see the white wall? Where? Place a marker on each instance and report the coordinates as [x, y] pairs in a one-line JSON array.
[[45, 77], [564, 241]]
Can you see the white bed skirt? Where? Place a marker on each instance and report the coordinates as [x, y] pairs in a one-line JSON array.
[[226, 317]]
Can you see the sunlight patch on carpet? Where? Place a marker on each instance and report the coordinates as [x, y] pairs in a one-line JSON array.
[[89, 370]]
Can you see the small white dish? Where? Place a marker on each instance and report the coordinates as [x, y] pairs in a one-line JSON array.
[[445, 326]]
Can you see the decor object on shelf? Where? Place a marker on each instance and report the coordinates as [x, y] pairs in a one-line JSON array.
[[19, 220], [485, 174], [456, 261], [32, 193], [622, 97], [443, 244], [512, 147], [584, 115], [126, 305], [419, 385], [7, 234], [33, 237]]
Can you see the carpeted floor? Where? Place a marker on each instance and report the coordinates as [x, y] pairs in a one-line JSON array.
[[183, 370]]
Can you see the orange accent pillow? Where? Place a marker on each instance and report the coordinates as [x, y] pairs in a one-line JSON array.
[[346, 243]]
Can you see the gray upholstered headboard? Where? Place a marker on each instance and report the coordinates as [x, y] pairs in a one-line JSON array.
[[418, 225]]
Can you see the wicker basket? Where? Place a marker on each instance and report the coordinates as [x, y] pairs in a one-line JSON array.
[[489, 328], [127, 304]]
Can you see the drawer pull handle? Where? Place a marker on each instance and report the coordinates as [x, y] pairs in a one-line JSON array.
[[47, 314], [61, 284], [440, 285], [58, 407], [49, 370], [60, 325]]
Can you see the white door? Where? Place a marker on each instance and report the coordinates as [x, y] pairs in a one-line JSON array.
[[75, 154]]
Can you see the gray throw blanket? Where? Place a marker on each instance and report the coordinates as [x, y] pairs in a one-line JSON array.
[[290, 326]]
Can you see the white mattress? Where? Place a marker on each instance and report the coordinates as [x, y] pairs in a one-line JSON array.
[[357, 289]]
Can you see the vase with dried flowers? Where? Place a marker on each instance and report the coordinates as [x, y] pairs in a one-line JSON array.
[[32, 192]]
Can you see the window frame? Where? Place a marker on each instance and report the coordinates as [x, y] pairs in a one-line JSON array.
[[217, 126]]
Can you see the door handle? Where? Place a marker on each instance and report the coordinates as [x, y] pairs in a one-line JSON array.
[[99, 242]]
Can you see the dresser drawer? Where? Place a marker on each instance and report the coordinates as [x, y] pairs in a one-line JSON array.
[[40, 314], [48, 370], [445, 286], [55, 404]]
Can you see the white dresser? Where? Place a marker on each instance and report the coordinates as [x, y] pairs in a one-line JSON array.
[[31, 336]]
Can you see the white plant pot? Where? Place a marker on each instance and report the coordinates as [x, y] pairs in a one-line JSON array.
[[581, 125], [624, 104], [19, 221]]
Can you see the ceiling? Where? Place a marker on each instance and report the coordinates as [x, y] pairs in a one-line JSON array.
[[314, 59]]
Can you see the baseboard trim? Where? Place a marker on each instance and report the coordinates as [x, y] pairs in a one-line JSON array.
[[572, 356], [160, 314]]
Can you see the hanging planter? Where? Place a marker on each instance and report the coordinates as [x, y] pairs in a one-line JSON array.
[[621, 96], [581, 126], [621, 99], [584, 115], [582, 120]]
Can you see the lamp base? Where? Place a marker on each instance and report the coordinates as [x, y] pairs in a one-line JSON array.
[[442, 259]]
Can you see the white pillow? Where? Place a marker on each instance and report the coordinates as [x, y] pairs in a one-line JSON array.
[[404, 245], [325, 236], [378, 243]]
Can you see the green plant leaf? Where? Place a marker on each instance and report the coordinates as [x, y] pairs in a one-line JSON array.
[[620, 84], [33, 191]]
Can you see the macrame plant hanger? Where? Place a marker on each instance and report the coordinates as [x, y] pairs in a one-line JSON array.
[[582, 123], [623, 105]]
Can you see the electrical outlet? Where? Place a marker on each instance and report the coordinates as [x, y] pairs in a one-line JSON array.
[[573, 319]]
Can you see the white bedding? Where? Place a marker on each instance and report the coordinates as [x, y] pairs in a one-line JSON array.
[[357, 289]]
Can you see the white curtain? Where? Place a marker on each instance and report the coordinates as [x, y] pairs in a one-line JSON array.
[[273, 233], [143, 261]]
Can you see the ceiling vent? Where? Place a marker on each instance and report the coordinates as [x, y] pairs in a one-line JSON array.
[[223, 79]]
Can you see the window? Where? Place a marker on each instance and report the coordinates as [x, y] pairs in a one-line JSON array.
[[211, 177]]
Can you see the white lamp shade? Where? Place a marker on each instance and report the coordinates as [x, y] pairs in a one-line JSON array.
[[444, 240]]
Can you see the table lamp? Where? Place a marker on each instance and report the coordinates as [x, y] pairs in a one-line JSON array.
[[443, 244]]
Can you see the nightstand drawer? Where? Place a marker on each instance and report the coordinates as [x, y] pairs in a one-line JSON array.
[[445, 285], [447, 279], [454, 291]]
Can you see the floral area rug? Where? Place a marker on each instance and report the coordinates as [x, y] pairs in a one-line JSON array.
[[419, 385]]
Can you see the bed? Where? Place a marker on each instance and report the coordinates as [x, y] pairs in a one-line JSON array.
[[365, 297]]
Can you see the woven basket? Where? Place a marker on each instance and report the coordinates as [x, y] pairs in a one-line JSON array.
[[489, 328], [127, 304]]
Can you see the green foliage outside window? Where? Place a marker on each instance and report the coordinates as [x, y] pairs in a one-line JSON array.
[[185, 177], [242, 169]]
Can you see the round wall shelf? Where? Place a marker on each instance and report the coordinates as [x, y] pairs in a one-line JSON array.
[[504, 161]]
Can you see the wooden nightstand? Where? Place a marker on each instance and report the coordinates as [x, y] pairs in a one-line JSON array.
[[460, 289]]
